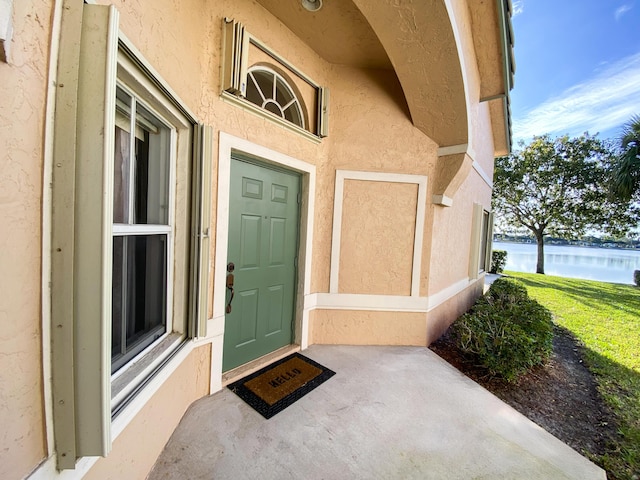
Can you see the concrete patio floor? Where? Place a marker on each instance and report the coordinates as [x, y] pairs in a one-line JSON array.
[[388, 413]]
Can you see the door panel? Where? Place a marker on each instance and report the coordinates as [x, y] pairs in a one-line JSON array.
[[262, 243], [247, 318], [277, 241], [250, 230], [275, 301]]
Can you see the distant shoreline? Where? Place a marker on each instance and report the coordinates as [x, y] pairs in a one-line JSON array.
[[589, 262], [573, 243]]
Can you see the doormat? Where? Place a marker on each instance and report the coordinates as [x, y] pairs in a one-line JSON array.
[[275, 387]]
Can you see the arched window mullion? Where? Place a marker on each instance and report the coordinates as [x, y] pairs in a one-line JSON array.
[[291, 102], [257, 85], [270, 91], [275, 88]]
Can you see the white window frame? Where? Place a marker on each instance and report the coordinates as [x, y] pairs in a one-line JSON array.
[[480, 218], [486, 238], [273, 98], [127, 379], [127, 230], [94, 57], [235, 57]]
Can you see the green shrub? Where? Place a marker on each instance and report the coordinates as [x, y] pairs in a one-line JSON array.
[[498, 261], [507, 291], [636, 277], [506, 331]]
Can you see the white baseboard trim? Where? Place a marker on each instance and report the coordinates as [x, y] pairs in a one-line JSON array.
[[448, 293], [384, 303], [380, 303], [47, 469]]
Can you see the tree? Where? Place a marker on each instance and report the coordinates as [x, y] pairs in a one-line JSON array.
[[557, 187], [626, 168]]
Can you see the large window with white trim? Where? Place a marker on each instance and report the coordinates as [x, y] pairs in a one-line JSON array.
[[142, 227], [485, 241], [129, 283], [481, 241]]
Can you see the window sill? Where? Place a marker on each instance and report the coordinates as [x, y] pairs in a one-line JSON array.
[[246, 105], [128, 382]]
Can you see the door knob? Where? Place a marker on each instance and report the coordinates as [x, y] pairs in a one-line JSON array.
[[230, 280]]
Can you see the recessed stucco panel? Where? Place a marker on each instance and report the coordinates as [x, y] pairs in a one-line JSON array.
[[353, 327], [22, 112], [378, 232], [138, 446]]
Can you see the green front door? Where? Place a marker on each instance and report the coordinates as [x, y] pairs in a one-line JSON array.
[[262, 245]]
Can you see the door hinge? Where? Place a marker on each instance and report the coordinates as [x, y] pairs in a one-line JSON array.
[[299, 197], [295, 262]]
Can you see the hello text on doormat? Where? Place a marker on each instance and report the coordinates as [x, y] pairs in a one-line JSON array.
[[273, 388]]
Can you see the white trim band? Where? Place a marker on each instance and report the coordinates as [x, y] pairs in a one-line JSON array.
[[385, 303], [478, 168], [453, 149]]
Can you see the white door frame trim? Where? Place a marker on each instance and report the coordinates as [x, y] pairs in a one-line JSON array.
[[227, 145]]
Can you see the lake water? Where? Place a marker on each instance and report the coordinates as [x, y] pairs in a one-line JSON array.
[[602, 264]]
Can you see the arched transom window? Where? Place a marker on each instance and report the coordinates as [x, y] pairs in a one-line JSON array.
[[269, 90]]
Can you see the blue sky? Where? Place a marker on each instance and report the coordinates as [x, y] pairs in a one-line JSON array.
[[577, 67]]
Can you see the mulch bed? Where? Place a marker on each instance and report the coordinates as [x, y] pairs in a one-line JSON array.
[[560, 396]]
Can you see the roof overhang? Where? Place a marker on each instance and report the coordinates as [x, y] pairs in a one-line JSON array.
[[421, 43], [493, 40]]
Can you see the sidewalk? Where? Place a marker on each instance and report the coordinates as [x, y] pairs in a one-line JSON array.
[[388, 413]]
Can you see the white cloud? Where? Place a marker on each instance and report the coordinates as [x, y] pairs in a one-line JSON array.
[[518, 7], [601, 103], [620, 11]]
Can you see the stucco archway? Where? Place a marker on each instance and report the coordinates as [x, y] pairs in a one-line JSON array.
[[420, 41]]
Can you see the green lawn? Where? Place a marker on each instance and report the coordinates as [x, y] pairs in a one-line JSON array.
[[605, 317]]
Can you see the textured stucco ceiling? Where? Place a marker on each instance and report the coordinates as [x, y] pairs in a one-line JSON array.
[[338, 32], [417, 40]]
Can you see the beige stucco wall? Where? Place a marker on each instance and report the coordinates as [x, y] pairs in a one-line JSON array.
[[376, 252], [138, 446], [484, 146], [482, 143], [450, 248], [370, 130], [441, 317], [449, 254], [368, 328], [22, 106]]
